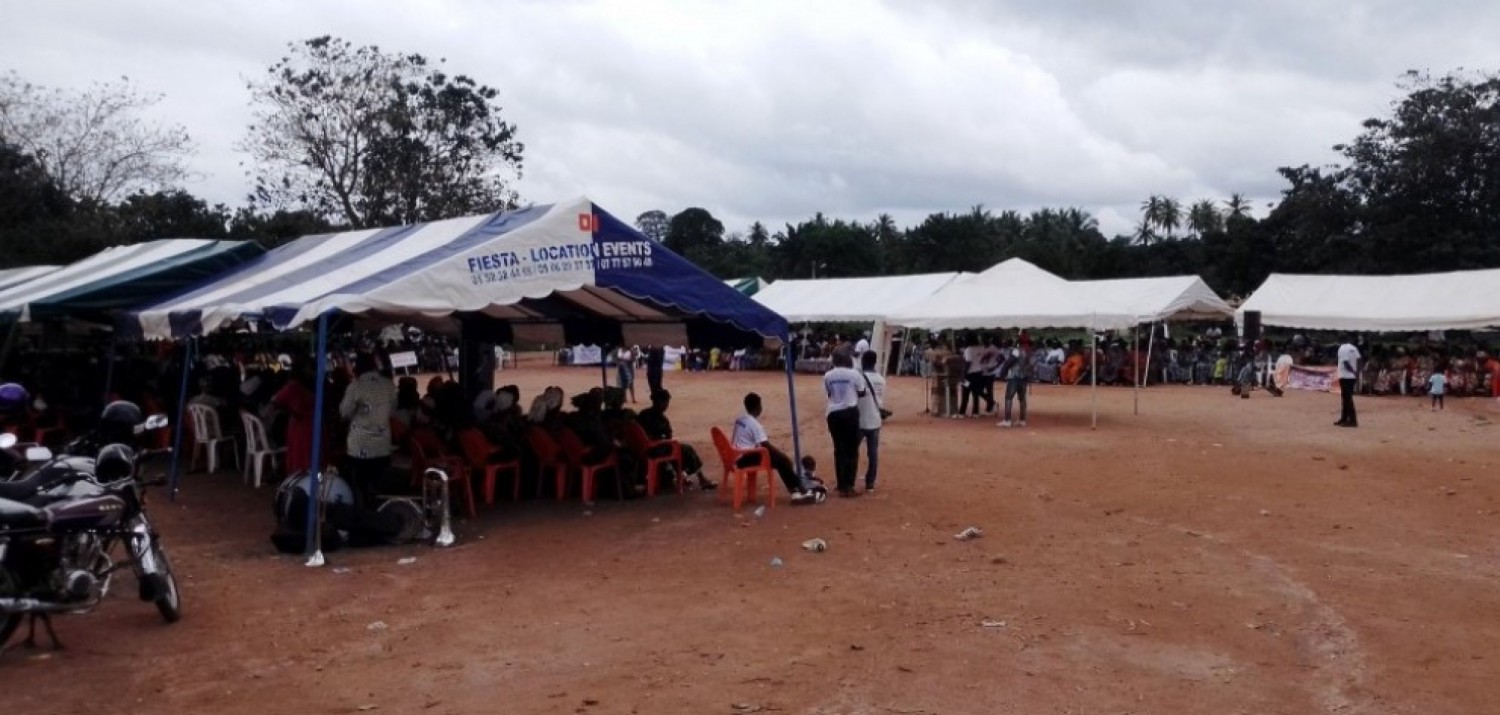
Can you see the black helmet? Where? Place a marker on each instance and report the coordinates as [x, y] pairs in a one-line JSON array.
[[115, 462], [122, 413], [117, 424]]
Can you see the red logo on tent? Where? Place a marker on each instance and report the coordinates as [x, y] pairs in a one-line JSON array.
[[586, 222]]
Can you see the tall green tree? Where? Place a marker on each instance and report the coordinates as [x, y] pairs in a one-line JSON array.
[[826, 248], [369, 138], [1151, 210], [694, 230], [654, 224], [98, 144], [1169, 216], [954, 242], [1428, 176], [1237, 206], [168, 214], [32, 210], [277, 228], [1204, 218]]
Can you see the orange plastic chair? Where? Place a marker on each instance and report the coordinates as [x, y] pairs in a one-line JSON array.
[[741, 481], [548, 458], [477, 450], [642, 446], [573, 451], [427, 452]]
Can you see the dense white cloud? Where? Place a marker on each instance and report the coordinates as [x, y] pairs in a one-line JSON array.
[[775, 110]]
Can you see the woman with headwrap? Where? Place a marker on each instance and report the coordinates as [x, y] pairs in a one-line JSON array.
[[546, 410], [505, 428], [587, 421]]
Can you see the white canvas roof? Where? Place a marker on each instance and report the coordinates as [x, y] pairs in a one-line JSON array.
[[1463, 300], [849, 300], [1013, 294], [1169, 298]]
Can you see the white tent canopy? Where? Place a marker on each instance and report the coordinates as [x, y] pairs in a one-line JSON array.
[[1157, 299], [1013, 294], [849, 300], [1463, 300]]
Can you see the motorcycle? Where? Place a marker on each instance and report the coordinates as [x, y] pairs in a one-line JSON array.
[[64, 524]]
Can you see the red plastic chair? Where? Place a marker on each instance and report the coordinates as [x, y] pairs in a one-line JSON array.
[[427, 452], [399, 432], [643, 446], [741, 481], [548, 458], [52, 434], [574, 450], [477, 450]]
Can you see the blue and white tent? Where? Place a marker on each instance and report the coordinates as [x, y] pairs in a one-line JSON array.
[[120, 278], [11, 277], [541, 264], [538, 264]]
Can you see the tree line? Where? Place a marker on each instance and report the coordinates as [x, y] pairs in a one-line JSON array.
[[354, 137], [1417, 191]]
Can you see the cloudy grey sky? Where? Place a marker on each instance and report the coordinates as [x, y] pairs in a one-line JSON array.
[[774, 110]]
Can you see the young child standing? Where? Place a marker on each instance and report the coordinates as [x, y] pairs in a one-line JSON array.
[[1437, 385], [813, 490]]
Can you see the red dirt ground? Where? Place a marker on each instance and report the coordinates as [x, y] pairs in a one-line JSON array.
[[1210, 555]]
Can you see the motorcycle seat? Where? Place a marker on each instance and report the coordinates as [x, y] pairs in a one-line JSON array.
[[24, 489], [15, 515]]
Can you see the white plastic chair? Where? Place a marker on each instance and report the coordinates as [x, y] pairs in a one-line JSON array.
[[207, 433], [258, 449]]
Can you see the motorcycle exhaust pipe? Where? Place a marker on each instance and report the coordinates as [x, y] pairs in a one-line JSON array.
[[12, 606]]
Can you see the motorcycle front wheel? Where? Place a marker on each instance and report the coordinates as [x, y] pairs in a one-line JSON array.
[[168, 600]]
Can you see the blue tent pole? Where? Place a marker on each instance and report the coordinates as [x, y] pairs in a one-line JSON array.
[[313, 491], [187, 366], [791, 393]]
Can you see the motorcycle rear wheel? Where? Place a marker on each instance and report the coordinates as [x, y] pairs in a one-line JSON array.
[[168, 599]]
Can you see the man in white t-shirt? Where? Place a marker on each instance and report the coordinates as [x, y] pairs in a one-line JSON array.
[[862, 347], [1348, 375], [749, 434], [844, 387], [870, 405]]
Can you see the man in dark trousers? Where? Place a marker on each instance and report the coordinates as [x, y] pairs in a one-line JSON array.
[[656, 359], [1348, 376]]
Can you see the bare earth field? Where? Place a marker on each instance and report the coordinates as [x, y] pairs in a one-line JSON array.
[[1210, 555]]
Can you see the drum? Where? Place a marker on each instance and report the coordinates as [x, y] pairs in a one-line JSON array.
[[335, 491]]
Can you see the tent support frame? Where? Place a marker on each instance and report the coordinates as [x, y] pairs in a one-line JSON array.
[[791, 392], [1094, 378], [187, 367], [314, 490]]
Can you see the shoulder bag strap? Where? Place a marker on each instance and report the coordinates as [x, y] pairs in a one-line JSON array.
[[873, 395]]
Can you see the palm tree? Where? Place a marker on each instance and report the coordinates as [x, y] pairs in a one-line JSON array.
[[1238, 206], [1171, 215], [1204, 218], [1150, 217], [1143, 234]]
